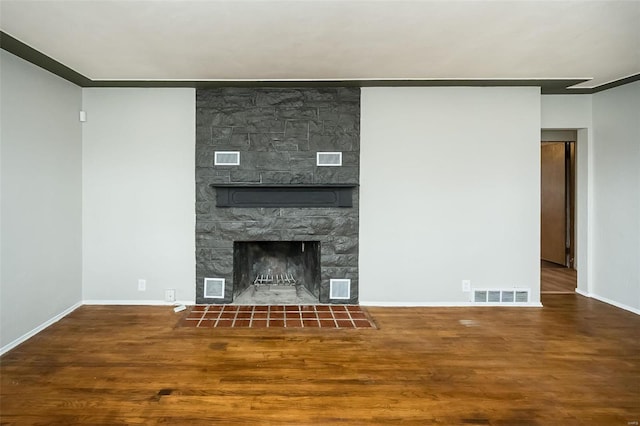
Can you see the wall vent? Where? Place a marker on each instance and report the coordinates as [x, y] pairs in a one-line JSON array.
[[501, 296], [214, 288], [340, 289], [226, 158], [329, 159]]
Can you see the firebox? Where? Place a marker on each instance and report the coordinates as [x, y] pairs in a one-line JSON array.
[[261, 264]]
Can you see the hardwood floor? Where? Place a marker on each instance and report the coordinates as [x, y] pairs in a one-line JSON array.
[[557, 279], [575, 361]]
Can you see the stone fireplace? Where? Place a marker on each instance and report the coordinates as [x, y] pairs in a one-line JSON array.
[[275, 216]]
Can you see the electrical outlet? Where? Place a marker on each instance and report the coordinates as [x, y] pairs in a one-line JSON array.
[[142, 285], [466, 285], [170, 295]]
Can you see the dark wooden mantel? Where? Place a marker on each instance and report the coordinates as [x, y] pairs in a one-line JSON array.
[[274, 195]]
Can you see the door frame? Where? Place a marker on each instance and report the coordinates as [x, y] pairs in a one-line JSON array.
[[583, 203]]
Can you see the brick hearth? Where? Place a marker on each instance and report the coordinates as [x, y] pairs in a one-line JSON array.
[[277, 316]]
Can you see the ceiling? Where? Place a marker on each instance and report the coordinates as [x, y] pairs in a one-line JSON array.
[[592, 43]]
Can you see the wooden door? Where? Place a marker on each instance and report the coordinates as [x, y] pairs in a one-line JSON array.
[[553, 220]]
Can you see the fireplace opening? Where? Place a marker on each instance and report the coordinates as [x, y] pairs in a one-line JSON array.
[[276, 269]]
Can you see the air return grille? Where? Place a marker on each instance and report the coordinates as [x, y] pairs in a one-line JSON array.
[[501, 296], [339, 289], [226, 158], [329, 159], [214, 288]]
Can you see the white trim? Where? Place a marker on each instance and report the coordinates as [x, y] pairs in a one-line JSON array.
[[39, 328], [138, 302], [609, 301], [582, 292], [450, 304], [584, 207]]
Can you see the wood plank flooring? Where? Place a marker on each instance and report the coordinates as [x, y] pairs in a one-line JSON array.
[[557, 279], [574, 362]]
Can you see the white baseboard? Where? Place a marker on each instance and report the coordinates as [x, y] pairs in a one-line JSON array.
[[609, 301], [138, 302], [582, 293], [449, 305], [39, 328]]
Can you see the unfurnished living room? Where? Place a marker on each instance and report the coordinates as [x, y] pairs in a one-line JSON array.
[[320, 212]]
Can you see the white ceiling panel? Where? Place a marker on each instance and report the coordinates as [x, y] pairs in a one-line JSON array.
[[333, 40]]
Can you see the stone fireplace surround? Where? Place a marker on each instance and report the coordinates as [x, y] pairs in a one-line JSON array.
[[278, 132]]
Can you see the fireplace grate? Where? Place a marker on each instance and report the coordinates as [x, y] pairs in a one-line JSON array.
[[278, 279]]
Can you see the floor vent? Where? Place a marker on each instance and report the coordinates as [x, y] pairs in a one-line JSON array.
[[340, 289], [214, 288], [501, 296]]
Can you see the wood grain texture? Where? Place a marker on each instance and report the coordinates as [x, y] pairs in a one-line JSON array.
[[552, 202], [575, 361], [557, 279]]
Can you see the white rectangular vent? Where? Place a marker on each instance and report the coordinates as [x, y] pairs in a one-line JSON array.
[[329, 159], [214, 288], [227, 158], [340, 289], [511, 296]]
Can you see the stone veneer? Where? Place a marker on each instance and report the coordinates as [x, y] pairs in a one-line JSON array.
[[278, 133]]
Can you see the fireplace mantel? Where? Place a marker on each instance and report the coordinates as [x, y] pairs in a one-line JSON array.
[[278, 195]]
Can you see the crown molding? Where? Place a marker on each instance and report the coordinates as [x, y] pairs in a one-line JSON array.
[[37, 58]]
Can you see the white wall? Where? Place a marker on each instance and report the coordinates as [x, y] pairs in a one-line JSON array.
[[575, 112], [41, 169], [565, 111], [616, 193], [138, 194], [450, 190], [558, 135]]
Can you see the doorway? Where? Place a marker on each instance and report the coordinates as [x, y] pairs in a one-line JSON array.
[[557, 217]]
